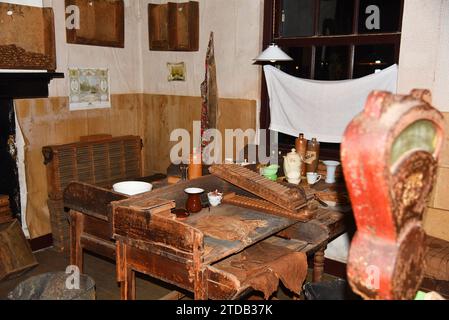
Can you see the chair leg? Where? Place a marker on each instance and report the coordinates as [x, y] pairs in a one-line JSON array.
[[318, 265], [76, 229]]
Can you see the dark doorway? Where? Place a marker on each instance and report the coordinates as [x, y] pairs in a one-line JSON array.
[[9, 177]]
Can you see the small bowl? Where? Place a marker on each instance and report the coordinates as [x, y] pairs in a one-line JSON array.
[[271, 170], [215, 199], [132, 188]]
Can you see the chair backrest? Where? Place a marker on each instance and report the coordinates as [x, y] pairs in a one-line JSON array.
[[390, 156], [100, 162]]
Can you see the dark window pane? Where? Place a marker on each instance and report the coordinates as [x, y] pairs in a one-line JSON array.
[[297, 19], [372, 58], [382, 16], [300, 67], [336, 17], [332, 63], [286, 140]]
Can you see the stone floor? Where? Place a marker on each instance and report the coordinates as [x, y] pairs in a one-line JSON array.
[[103, 273]]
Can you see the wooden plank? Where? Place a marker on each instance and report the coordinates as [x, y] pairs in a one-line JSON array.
[[138, 222], [15, 251], [159, 267], [219, 248], [265, 206], [90, 200]]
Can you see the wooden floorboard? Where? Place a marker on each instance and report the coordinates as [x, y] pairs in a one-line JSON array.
[[103, 273]]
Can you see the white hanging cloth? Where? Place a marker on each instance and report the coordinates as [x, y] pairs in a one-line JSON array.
[[321, 109]]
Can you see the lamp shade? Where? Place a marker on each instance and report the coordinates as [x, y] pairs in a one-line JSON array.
[[273, 53]]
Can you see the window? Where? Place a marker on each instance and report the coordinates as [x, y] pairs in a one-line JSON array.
[[332, 40]]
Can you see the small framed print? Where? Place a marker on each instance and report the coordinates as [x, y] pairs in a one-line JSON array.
[[89, 89], [176, 71]]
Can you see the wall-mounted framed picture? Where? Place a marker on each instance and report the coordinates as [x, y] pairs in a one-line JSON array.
[[89, 89], [101, 22], [176, 71]]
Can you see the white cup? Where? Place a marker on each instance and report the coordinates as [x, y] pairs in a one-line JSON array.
[[313, 178], [215, 198], [331, 168]]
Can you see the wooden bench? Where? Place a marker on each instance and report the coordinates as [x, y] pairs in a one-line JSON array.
[[98, 160]]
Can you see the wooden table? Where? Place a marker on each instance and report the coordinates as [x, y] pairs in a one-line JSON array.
[[92, 229], [158, 247]]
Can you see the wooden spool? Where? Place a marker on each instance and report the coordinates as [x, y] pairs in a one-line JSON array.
[[16, 256]]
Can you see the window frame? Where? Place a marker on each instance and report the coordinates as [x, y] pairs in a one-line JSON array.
[[272, 15]]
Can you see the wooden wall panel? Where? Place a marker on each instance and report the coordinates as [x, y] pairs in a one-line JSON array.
[[153, 117], [162, 115], [436, 223], [173, 112], [49, 121]]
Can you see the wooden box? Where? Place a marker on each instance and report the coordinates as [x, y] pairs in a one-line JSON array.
[[102, 23], [15, 251], [174, 26], [102, 163]]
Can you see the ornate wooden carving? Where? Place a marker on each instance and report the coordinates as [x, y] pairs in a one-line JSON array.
[[390, 154]]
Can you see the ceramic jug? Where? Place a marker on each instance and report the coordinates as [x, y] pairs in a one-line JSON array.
[[292, 167]]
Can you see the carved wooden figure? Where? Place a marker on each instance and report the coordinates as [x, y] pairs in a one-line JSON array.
[[390, 154]]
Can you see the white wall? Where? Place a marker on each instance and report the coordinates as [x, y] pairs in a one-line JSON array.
[[237, 27], [125, 65], [424, 59], [34, 3]]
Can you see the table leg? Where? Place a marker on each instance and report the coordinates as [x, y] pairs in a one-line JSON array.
[[318, 265], [76, 229], [129, 285]]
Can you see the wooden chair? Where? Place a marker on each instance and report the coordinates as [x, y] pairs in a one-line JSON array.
[[99, 160], [390, 156]]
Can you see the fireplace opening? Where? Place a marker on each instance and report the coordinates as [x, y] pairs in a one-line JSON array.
[[9, 176]]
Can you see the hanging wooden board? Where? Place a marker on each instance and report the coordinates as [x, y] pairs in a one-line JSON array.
[[102, 23], [174, 26], [27, 38]]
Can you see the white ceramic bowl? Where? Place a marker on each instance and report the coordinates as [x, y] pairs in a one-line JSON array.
[[214, 199], [131, 188]]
